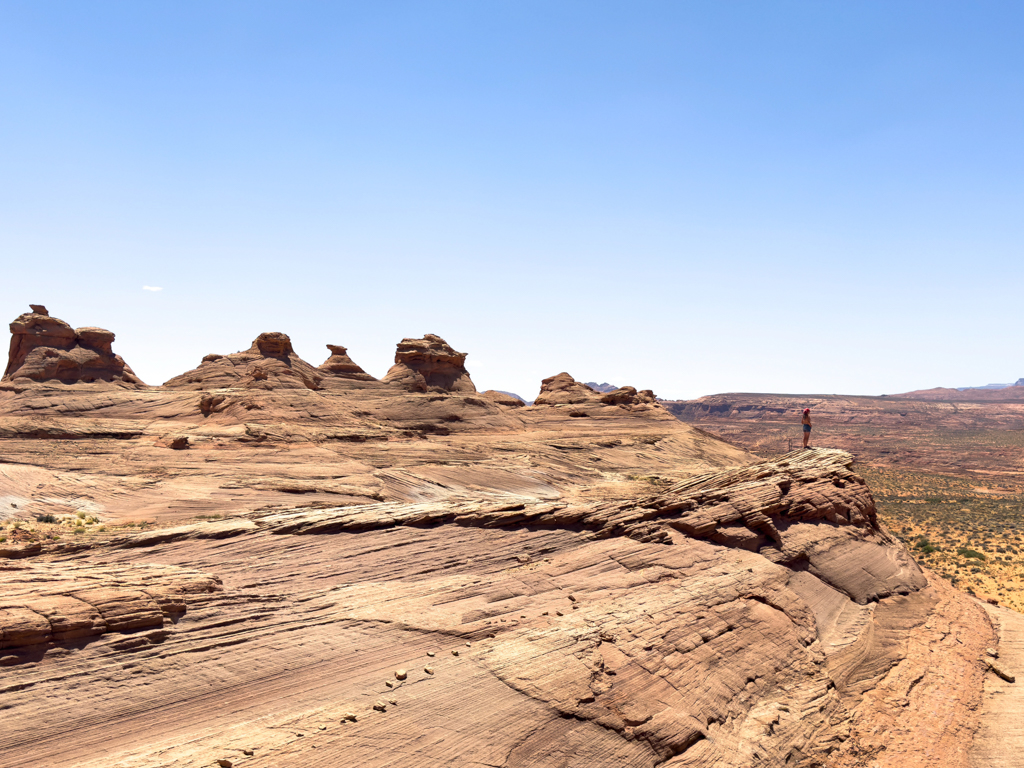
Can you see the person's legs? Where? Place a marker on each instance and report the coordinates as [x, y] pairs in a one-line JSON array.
[[807, 436]]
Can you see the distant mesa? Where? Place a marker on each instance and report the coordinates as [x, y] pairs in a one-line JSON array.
[[563, 389], [1009, 393], [44, 348], [341, 365], [429, 364], [602, 388], [270, 363]]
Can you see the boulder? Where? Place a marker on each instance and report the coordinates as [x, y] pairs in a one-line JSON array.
[[339, 364], [45, 348], [429, 364], [270, 363]]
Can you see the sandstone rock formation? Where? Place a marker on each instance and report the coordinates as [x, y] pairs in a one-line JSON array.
[[628, 396], [44, 348], [270, 363], [563, 389], [341, 365], [617, 590], [429, 364]]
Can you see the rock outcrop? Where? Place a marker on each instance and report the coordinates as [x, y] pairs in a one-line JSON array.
[[269, 364], [339, 364], [429, 364], [45, 348], [563, 389]]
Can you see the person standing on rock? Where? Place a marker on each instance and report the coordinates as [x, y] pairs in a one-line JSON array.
[[806, 421]]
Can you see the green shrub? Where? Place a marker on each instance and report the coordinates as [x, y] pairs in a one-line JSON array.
[[970, 553], [47, 518]]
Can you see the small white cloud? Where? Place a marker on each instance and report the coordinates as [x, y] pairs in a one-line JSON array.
[[151, 288]]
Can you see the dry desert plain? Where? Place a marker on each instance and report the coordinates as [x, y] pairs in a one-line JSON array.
[[264, 562]]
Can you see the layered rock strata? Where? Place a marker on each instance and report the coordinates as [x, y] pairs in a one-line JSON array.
[[45, 348], [429, 364]]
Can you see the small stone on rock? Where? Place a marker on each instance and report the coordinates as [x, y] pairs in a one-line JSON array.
[[401, 674], [455, 653], [380, 706], [429, 670], [430, 653], [223, 763]]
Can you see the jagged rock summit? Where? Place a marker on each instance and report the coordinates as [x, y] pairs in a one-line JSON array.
[[427, 364], [45, 348]]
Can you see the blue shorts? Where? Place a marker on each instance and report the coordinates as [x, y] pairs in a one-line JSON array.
[[807, 427]]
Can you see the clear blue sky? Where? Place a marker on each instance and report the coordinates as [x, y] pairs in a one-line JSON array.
[[693, 197]]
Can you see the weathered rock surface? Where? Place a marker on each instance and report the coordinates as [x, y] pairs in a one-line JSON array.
[[616, 590], [431, 364], [44, 348]]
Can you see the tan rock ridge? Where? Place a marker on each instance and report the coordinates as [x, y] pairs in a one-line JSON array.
[[429, 364], [45, 348]]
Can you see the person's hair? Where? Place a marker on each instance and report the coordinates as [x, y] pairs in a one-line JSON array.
[[807, 410]]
